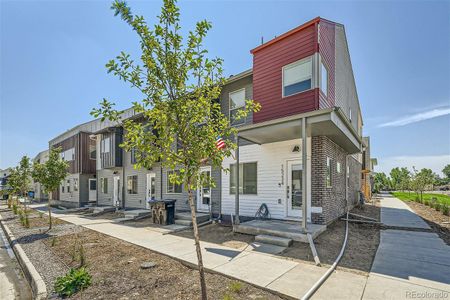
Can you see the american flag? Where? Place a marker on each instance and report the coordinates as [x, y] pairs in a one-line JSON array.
[[220, 144]]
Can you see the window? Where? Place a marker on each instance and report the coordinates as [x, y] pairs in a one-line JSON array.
[[133, 156], [62, 188], [328, 178], [104, 185], [92, 184], [132, 184], [105, 145], [350, 114], [338, 167], [248, 178], [68, 155], [324, 79], [75, 184], [297, 77], [237, 102], [173, 188], [68, 185], [92, 152]]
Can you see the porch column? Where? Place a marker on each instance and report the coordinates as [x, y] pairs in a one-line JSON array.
[[305, 174], [236, 202]]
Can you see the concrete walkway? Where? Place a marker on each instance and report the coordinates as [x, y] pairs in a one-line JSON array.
[[408, 264], [261, 269]]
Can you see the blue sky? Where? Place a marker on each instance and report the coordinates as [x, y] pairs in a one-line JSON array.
[[53, 55]]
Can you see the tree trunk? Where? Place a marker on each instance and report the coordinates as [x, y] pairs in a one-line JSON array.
[[49, 212], [197, 243]]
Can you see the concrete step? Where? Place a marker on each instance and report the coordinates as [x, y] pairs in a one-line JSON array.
[[183, 222], [201, 217], [103, 209], [136, 213], [122, 220], [274, 240]]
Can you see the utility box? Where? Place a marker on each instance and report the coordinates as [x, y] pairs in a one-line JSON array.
[[163, 211]]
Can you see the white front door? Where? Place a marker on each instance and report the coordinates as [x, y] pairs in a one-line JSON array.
[[294, 188], [116, 191], [204, 192], [92, 189], [151, 189]]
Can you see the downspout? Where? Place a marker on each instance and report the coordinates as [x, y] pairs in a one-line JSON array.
[[305, 174], [237, 183]]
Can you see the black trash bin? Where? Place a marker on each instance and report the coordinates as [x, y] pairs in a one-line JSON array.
[[170, 209]]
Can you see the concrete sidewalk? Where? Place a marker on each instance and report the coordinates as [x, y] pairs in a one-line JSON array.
[[408, 264], [261, 269]]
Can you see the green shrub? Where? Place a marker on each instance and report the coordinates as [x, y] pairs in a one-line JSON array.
[[437, 207], [15, 209], [72, 282], [445, 209], [235, 286], [227, 297], [53, 242], [417, 199], [426, 202], [26, 221]]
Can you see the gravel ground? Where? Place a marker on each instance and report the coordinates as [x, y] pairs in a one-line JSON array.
[[48, 265]]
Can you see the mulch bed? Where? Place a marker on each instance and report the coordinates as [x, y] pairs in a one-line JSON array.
[[362, 245], [437, 221], [115, 266]]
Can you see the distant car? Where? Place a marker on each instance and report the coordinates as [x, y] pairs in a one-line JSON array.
[[445, 188]]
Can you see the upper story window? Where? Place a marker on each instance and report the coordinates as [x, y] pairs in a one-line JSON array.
[[105, 145], [329, 173], [297, 77], [68, 155], [104, 185], [133, 156], [323, 78], [92, 152], [237, 101], [350, 114]]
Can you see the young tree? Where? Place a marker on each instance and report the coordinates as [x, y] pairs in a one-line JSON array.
[[381, 182], [446, 171], [49, 175], [182, 117], [20, 179], [422, 179], [405, 179]]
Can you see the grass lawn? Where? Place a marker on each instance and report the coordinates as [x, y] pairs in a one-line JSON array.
[[407, 196]]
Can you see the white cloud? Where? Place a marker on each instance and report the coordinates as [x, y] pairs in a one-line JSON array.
[[433, 162], [422, 116]]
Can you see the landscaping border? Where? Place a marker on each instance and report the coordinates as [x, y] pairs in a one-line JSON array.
[[35, 280]]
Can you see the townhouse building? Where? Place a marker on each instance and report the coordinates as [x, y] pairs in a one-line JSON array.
[[39, 193], [301, 155]]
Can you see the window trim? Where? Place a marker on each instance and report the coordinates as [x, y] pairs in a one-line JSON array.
[[329, 173], [241, 121], [338, 167], [103, 145], [298, 62], [90, 152], [75, 184], [104, 180], [242, 163], [168, 182], [322, 63]]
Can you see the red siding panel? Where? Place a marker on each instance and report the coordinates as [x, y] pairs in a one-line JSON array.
[[267, 75], [327, 52]]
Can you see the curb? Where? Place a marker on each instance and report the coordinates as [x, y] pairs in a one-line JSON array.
[[36, 282]]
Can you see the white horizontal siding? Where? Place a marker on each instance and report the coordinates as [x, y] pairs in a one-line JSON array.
[[271, 182]]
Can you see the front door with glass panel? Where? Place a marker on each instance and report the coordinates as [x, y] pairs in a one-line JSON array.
[[204, 192], [294, 188], [116, 191], [92, 189], [151, 189]]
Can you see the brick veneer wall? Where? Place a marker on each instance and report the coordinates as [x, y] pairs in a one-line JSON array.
[[331, 199]]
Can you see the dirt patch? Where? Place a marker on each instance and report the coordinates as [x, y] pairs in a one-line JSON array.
[[437, 221], [363, 241], [115, 266], [37, 221]]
